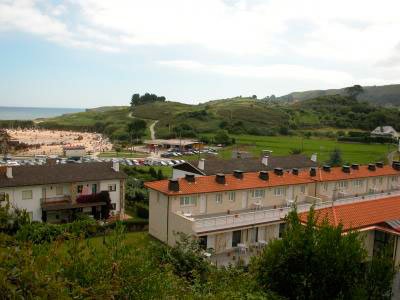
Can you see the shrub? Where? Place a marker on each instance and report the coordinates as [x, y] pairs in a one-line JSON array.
[[142, 210]]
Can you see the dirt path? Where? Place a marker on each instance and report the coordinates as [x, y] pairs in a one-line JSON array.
[[152, 131]]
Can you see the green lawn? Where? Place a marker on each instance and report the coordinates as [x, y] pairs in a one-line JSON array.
[[134, 239], [282, 145], [124, 154]]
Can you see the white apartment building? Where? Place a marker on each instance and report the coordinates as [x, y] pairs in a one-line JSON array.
[[227, 210], [56, 192]]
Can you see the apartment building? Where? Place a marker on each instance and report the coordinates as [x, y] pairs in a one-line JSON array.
[[56, 192], [227, 210]]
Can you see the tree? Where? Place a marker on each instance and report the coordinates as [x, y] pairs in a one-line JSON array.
[[317, 261], [354, 91], [254, 97], [222, 137], [335, 158], [137, 129], [4, 141], [146, 98]]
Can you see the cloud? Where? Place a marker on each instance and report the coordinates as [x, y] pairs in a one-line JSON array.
[[274, 71]]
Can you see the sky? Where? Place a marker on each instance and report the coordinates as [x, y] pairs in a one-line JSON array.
[[90, 53]]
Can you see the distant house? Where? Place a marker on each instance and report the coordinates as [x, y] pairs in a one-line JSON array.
[[385, 131], [227, 166], [181, 144], [55, 193], [74, 151]]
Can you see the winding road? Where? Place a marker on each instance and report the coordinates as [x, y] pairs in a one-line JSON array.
[[152, 131]]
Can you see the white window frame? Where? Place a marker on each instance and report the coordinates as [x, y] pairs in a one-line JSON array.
[[303, 189], [58, 187], [232, 196], [24, 197], [188, 200], [218, 198], [358, 183], [326, 185], [343, 184], [112, 187], [279, 191], [258, 193], [380, 180], [395, 178]]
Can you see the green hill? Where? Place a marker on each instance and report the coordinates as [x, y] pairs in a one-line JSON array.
[[236, 115], [385, 95]]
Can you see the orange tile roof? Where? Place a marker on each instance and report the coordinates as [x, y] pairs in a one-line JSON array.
[[207, 184], [359, 215], [336, 173]]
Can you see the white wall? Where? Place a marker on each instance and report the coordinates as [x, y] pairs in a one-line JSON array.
[[31, 205], [114, 196]]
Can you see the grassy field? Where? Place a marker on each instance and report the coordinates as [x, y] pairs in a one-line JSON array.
[[138, 240], [282, 145], [124, 154]]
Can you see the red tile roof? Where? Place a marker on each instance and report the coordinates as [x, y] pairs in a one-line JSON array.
[[360, 215], [207, 184], [336, 173]]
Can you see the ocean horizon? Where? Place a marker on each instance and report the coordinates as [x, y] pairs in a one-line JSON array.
[[32, 113]]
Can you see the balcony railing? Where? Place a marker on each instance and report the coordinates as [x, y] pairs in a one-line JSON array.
[[55, 200], [246, 217]]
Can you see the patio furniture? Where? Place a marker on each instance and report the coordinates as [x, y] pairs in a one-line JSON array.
[[261, 243]]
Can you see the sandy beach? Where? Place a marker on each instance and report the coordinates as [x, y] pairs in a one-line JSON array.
[[51, 142]]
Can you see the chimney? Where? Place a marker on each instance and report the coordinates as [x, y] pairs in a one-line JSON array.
[[278, 171], [379, 164], [173, 185], [264, 160], [263, 175], [190, 178], [9, 173], [346, 169], [326, 168], [115, 166], [355, 166], [220, 178], [396, 165], [238, 174], [313, 172], [201, 164], [371, 167], [295, 171], [314, 157]]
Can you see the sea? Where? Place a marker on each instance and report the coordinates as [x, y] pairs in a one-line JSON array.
[[31, 113]]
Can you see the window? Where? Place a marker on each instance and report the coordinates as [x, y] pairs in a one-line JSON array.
[[374, 181], [303, 189], [114, 206], [59, 190], [236, 238], [280, 191], [258, 193], [380, 180], [26, 195], [325, 186], [282, 228], [383, 241], [218, 198], [203, 242], [358, 183], [231, 196], [79, 188], [343, 184], [394, 179], [112, 187], [188, 201], [3, 196]]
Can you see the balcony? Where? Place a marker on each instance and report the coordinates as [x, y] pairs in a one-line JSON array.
[[248, 217]]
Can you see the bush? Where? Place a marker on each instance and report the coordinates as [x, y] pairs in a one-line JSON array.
[[142, 210]]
